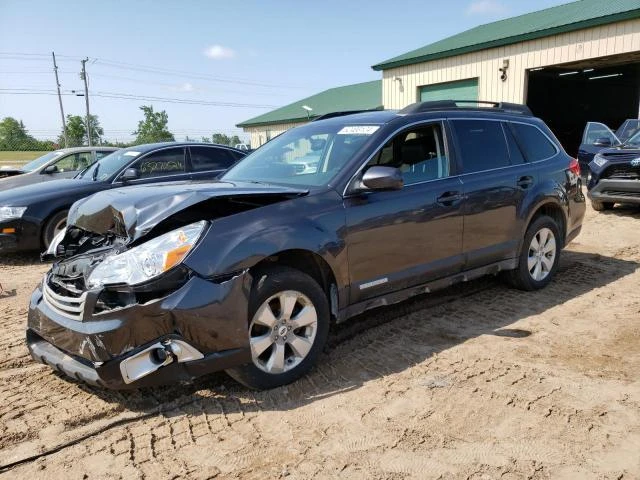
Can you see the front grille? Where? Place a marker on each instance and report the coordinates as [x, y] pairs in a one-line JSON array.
[[621, 156], [623, 172], [68, 306]]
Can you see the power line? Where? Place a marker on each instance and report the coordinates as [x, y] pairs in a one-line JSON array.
[[154, 70], [125, 96]]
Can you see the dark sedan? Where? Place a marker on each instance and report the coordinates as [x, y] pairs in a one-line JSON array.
[[64, 163], [31, 216]]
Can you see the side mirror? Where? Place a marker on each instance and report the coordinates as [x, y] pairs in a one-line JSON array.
[[602, 142], [383, 178], [50, 169], [130, 174]]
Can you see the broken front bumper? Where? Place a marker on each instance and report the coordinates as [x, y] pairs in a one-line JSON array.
[[201, 327]]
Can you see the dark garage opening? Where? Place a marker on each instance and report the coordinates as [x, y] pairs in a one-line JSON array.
[[566, 97]]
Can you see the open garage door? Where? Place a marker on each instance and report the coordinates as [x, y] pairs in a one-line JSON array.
[[567, 96], [460, 90]]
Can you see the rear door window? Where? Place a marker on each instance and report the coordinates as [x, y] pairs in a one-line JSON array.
[[482, 145], [210, 158], [515, 153], [535, 144]]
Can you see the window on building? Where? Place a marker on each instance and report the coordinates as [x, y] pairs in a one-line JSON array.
[[482, 145]]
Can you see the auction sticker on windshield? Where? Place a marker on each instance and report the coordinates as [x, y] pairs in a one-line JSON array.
[[358, 130]]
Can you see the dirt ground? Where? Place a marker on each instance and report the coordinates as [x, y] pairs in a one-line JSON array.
[[477, 382]]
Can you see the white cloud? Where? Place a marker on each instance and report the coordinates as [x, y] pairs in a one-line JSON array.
[[218, 52], [186, 87], [486, 7]]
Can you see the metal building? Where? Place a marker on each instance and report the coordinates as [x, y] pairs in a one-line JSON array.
[[571, 64], [360, 96]]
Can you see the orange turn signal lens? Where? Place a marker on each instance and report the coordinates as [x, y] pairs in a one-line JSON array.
[[175, 256], [8, 230]]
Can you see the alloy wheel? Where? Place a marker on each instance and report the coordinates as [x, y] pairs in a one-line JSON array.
[[282, 331], [542, 254]]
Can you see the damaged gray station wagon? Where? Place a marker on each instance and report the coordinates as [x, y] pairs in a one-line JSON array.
[[162, 283]]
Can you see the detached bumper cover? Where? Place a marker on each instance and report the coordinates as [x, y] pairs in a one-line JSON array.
[[617, 191], [211, 317]]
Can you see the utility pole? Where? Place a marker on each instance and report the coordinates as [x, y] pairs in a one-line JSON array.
[[64, 123], [83, 76]]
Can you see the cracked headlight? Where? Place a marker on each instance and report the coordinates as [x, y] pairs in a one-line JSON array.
[[7, 213], [147, 261], [600, 161]]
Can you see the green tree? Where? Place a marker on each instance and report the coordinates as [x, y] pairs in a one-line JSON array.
[[153, 128], [13, 135], [235, 140], [77, 131], [220, 139], [206, 140]]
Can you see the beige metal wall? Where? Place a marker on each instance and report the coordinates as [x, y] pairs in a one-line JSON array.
[[260, 134], [616, 38]]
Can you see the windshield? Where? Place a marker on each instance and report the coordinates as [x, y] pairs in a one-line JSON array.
[[628, 129], [310, 155], [634, 141], [108, 166], [40, 161]]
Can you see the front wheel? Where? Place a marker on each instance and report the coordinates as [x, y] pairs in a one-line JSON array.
[[288, 326], [54, 226], [601, 206], [539, 256]]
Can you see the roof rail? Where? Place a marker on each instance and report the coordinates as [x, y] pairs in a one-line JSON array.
[[454, 104], [338, 114]]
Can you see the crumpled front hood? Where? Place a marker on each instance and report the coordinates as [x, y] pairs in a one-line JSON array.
[[131, 212]]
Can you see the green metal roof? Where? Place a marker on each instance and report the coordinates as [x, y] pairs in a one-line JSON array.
[[360, 96], [551, 21]]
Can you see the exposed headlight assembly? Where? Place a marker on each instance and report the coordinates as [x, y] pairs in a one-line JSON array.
[[149, 260], [7, 213], [600, 161]]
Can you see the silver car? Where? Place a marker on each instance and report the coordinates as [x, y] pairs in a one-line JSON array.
[[64, 163]]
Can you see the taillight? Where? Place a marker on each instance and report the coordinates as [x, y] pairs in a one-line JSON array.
[[574, 166]]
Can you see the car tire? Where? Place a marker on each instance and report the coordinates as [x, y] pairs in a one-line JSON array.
[[53, 225], [537, 263], [601, 206], [288, 326]]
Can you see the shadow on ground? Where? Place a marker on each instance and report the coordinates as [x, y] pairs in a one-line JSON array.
[[407, 333]]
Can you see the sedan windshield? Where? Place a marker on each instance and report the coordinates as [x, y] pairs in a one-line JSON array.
[[40, 161], [108, 166], [310, 155]]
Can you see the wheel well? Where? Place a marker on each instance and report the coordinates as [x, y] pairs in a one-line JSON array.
[[307, 262], [555, 212]]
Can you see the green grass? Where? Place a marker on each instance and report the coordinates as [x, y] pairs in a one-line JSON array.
[[15, 158]]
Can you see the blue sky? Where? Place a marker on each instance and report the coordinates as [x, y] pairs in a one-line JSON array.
[[257, 55]]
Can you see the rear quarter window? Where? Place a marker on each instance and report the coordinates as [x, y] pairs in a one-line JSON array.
[[482, 145], [535, 144]]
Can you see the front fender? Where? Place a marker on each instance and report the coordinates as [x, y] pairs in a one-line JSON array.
[[238, 242]]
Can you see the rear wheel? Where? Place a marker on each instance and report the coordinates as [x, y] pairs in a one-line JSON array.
[[539, 256], [600, 206], [54, 225], [288, 326]]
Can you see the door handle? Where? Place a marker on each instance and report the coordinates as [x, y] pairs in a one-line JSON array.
[[525, 182], [449, 198]]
